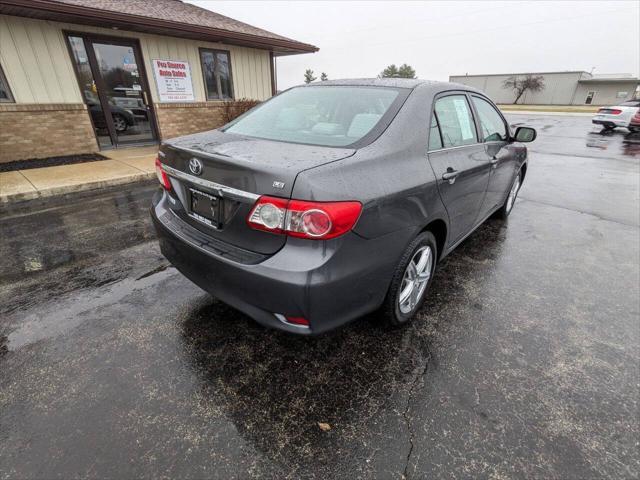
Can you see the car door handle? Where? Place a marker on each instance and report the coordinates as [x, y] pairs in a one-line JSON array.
[[494, 162], [450, 175]]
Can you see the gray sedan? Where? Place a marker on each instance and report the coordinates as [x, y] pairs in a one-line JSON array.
[[337, 199]]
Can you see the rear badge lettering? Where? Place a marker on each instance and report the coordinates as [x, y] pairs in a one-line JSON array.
[[278, 185]]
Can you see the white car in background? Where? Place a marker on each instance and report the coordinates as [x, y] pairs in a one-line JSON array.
[[617, 116]]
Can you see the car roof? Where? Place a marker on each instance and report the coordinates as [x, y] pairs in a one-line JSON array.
[[389, 82]]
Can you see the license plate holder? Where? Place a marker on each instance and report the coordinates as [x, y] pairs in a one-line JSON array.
[[206, 208]]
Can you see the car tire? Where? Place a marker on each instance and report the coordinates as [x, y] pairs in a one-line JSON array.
[[396, 311], [510, 201], [119, 122], [608, 128], [634, 129]]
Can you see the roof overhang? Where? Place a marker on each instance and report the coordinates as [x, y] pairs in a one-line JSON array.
[[610, 80], [61, 12]]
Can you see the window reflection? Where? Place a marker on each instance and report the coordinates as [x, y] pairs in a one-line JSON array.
[[216, 68]]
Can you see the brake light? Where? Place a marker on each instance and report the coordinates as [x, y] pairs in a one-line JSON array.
[[610, 111], [297, 320], [300, 218], [163, 178]]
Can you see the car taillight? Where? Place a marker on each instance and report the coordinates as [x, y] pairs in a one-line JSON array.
[[610, 111], [297, 320], [300, 218], [163, 178]]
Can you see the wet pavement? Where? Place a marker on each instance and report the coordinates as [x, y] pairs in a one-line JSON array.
[[523, 362]]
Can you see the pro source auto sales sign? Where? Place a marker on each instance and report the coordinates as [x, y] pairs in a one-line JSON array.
[[173, 79]]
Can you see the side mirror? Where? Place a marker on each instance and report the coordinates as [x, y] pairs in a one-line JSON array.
[[525, 134]]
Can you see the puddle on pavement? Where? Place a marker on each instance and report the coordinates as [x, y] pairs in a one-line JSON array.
[[51, 319], [75, 230], [610, 140]]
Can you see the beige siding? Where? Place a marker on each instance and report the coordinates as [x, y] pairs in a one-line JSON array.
[[36, 61], [605, 94]]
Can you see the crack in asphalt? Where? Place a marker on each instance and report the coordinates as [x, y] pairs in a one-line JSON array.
[[159, 269], [405, 414]]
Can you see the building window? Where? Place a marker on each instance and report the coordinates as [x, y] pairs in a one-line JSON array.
[[589, 98], [216, 69], [5, 92]]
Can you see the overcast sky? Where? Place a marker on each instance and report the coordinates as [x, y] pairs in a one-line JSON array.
[[438, 39]]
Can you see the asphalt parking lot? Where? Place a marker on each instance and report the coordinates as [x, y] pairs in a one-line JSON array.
[[524, 361]]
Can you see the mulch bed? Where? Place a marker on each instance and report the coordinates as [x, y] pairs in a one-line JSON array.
[[50, 162]]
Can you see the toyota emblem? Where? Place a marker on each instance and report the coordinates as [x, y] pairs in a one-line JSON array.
[[195, 166]]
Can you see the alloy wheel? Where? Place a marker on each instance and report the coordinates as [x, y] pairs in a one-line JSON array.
[[415, 279], [119, 123]]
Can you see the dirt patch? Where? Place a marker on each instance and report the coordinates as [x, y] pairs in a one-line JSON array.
[[50, 161]]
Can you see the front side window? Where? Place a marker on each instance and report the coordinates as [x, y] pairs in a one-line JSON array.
[[327, 116], [216, 69], [5, 92], [455, 120], [492, 126]]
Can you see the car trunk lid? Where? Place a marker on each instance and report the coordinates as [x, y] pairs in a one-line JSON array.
[[217, 177]]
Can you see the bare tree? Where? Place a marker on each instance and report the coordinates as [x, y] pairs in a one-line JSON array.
[[532, 83]]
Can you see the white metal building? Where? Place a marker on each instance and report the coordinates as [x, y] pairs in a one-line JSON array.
[[561, 88]]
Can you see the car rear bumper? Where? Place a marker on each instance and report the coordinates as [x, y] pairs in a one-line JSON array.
[[327, 282], [609, 121]]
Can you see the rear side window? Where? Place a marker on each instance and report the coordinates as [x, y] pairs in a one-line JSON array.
[[455, 120], [492, 126], [435, 142]]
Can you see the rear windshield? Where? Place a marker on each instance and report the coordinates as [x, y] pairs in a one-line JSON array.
[[320, 115]]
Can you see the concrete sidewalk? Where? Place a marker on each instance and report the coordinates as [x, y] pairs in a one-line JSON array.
[[124, 166]]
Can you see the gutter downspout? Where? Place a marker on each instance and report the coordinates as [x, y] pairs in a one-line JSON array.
[[274, 78]]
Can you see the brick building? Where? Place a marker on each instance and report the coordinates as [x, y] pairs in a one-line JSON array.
[[78, 76]]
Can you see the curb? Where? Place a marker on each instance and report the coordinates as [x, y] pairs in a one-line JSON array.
[[555, 114], [79, 187]]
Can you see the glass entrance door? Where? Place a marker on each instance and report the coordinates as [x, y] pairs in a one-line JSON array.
[[114, 89]]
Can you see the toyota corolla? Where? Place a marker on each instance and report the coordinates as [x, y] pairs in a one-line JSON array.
[[333, 200]]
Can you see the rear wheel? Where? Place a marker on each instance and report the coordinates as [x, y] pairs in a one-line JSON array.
[[511, 198], [119, 123], [411, 280], [608, 127]]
